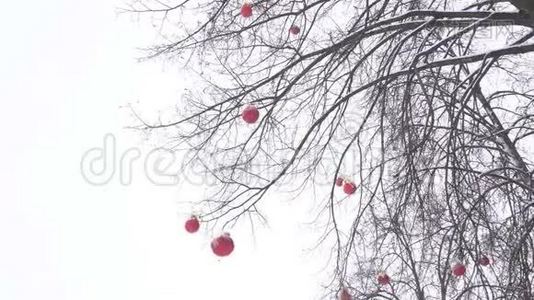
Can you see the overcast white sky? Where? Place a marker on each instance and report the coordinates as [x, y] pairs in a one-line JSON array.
[[66, 68]]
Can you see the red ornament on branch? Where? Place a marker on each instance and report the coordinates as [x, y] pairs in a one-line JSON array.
[[250, 114], [222, 245], [294, 29], [344, 295], [483, 260], [458, 269], [246, 10], [192, 225], [339, 181], [383, 279], [349, 188]]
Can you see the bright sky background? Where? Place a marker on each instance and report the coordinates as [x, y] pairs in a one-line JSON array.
[[66, 68]]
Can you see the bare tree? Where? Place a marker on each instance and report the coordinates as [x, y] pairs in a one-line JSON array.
[[427, 106]]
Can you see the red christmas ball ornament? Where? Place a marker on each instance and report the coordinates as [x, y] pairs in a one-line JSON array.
[[344, 295], [458, 269], [483, 260], [222, 245], [250, 114], [246, 10], [383, 279], [339, 181], [349, 188], [192, 225], [294, 29]]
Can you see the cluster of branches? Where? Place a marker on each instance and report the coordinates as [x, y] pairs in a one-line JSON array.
[[427, 105]]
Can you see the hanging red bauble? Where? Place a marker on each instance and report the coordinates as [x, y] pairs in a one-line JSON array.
[[458, 269], [483, 260], [344, 295], [383, 279], [192, 225], [246, 10], [222, 245], [250, 114], [349, 188], [339, 181], [294, 29]]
